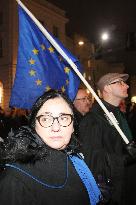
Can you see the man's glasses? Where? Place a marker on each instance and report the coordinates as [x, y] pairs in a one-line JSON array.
[[64, 120], [84, 99], [120, 82]]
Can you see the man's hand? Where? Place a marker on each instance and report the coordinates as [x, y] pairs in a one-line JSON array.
[[106, 188], [131, 148]]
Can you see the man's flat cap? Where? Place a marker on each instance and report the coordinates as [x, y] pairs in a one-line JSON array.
[[110, 78]]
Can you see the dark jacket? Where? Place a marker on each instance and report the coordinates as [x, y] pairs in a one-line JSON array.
[[103, 148], [27, 151], [78, 118]]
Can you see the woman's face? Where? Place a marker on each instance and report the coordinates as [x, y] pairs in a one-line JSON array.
[[53, 134]]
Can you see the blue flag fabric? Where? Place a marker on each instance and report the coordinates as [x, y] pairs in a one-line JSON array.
[[40, 67]]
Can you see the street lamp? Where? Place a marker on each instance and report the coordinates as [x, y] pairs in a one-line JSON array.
[[81, 43], [133, 99], [105, 36]]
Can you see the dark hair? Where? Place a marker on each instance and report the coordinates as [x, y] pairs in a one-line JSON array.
[[41, 100], [25, 145]]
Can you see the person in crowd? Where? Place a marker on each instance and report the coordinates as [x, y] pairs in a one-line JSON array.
[[103, 148], [131, 170], [41, 163], [123, 106], [82, 101], [13, 119], [2, 125], [18, 118], [82, 104], [132, 119]]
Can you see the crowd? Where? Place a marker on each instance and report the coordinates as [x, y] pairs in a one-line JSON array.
[[11, 120], [70, 153]]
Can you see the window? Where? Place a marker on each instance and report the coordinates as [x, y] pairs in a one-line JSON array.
[[1, 18], [131, 41], [89, 63], [1, 49], [56, 31], [1, 93]]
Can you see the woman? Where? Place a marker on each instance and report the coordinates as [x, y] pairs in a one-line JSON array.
[[41, 164]]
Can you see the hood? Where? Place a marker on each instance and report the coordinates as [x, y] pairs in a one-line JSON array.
[[26, 146]]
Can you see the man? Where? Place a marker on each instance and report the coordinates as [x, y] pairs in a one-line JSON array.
[[103, 147], [82, 104]]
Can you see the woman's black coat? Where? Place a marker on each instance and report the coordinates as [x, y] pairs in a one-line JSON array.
[[26, 150]]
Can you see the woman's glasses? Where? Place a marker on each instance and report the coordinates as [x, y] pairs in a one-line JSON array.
[[64, 120]]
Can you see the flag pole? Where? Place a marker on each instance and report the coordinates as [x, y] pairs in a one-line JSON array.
[[72, 64]]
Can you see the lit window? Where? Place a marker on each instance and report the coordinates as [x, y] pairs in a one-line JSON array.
[[84, 75], [89, 63], [1, 92], [56, 31], [89, 77]]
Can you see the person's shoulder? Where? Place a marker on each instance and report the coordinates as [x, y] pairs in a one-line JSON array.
[[89, 119], [7, 173], [78, 115], [89, 115], [13, 178], [24, 145], [92, 114]]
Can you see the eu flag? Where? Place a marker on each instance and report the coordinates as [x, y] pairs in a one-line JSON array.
[[39, 66]]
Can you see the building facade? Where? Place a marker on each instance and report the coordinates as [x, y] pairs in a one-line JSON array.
[[49, 15]]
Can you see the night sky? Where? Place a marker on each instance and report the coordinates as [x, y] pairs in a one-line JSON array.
[[92, 17]]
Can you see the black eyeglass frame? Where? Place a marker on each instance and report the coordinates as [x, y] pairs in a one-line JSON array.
[[119, 81], [84, 98], [54, 118]]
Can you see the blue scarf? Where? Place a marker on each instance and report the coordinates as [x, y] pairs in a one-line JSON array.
[[87, 178], [83, 172]]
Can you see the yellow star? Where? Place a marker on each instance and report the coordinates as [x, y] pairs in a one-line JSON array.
[[67, 82], [38, 82], [48, 88], [32, 72], [51, 49], [43, 47], [32, 61], [67, 70], [63, 89], [35, 51]]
